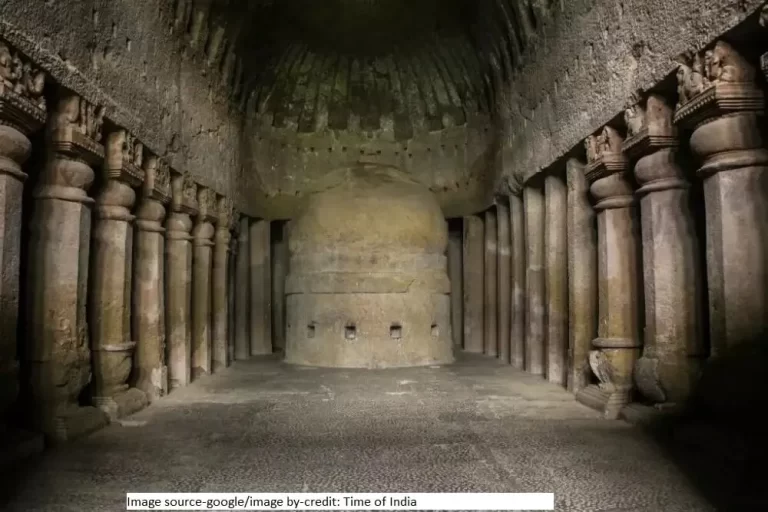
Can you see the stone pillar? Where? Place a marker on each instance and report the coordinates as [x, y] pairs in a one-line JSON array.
[[148, 319], [178, 280], [533, 202], [474, 282], [232, 285], [503, 280], [22, 111], [58, 355], [490, 338], [617, 346], [242, 292], [457, 286], [672, 344], [582, 276], [261, 288], [724, 107], [110, 300], [518, 256], [556, 277], [280, 268], [202, 263], [220, 288]]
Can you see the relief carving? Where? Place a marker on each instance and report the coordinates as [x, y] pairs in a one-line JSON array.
[[716, 82], [634, 118], [76, 128], [649, 126], [21, 76], [157, 184], [124, 157], [226, 212], [206, 200], [603, 369]]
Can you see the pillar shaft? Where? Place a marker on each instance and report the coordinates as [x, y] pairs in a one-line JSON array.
[[19, 115], [110, 304], [231, 287], [202, 284], [178, 282], [474, 262], [261, 288], [280, 268], [148, 319], [220, 291], [582, 277], [727, 137], [556, 277], [672, 344], [457, 285], [618, 344], [518, 306], [58, 355], [533, 201], [490, 338], [504, 281], [242, 293]]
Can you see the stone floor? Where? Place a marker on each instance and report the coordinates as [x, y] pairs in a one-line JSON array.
[[477, 426]]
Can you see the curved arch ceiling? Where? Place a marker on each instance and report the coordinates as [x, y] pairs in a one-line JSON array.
[[371, 64]]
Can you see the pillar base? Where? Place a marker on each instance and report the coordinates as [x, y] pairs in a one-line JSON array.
[[609, 403], [76, 422], [122, 404], [17, 445], [647, 415]]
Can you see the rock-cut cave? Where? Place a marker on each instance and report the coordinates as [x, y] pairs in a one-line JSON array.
[[384, 246]]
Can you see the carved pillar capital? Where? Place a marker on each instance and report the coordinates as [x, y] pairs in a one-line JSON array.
[[122, 173], [155, 194], [225, 221], [22, 108], [183, 193], [652, 141], [207, 215], [74, 140], [606, 170]]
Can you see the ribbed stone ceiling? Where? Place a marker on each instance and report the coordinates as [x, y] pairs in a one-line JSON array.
[[375, 64]]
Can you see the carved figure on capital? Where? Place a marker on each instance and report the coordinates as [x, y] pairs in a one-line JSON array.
[[21, 76], [719, 76], [75, 128], [183, 193], [124, 158], [206, 200]]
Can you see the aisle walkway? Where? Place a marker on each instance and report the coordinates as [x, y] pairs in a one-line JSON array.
[[476, 426]]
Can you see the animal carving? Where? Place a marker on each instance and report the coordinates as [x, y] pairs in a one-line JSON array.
[[634, 118], [726, 65], [602, 368], [591, 145]]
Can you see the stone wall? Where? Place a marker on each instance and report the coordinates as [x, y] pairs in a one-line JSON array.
[[586, 60], [161, 69]]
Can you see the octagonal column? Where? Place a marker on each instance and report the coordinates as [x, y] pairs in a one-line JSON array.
[[148, 319], [582, 276], [178, 280], [518, 256], [724, 107], [58, 355], [232, 285], [618, 344], [261, 288], [242, 292], [22, 111], [503, 280], [202, 261], [110, 305], [474, 282], [533, 204], [673, 339], [220, 289], [490, 339], [556, 278]]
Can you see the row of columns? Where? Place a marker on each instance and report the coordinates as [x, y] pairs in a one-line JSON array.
[[591, 275], [134, 290]]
